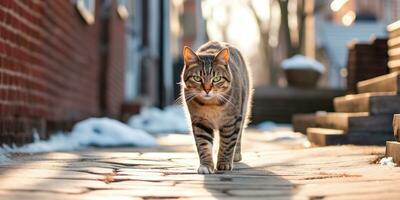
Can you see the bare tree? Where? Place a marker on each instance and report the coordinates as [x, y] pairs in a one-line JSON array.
[[291, 46]]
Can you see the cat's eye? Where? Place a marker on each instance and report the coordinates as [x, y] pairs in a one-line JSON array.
[[217, 79], [197, 78]]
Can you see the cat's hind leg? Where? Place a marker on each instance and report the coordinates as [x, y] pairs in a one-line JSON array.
[[238, 150]]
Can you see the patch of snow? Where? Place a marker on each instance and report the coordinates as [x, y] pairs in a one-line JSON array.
[[387, 161], [154, 120], [282, 132], [302, 62], [321, 113], [272, 126], [3, 158], [90, 132]]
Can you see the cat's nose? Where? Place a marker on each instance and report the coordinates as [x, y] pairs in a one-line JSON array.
[[207, 88]]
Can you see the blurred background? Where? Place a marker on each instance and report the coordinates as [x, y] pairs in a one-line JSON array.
[[62, 61]]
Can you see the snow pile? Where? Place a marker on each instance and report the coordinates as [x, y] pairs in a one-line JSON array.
[[285, 135], [153, 120], [3, 157], [91, 132], [387, 161], [282, 132], [271, 126], [302, 62]]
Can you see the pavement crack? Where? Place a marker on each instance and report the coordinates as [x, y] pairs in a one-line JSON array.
[[325, 175]]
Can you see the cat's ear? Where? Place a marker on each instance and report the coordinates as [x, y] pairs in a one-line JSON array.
[[222, 56], [189, 56]]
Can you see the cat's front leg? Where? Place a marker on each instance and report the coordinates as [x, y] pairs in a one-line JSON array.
[[228, 140], [204, 136]]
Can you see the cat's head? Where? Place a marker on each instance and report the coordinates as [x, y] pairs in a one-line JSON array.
[[206, 77]]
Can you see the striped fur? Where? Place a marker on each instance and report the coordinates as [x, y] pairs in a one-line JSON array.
[[216, 86]]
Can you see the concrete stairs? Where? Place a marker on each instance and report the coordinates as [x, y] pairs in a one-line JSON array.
[[364, 119], [393, 147]]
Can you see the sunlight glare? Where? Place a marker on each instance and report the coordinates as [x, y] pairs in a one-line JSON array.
[[262, 9], [349, 18], [275, 24], [243, 28], [336, 5]]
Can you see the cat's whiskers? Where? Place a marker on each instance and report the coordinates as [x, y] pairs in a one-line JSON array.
[[224, 99], [190, 97]]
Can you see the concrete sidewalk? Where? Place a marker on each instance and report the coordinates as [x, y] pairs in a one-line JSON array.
[[269, 170]]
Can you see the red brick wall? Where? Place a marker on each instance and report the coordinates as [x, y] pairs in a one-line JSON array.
[[49, 68], [115, 62]]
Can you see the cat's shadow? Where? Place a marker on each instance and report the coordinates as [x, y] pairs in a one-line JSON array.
[[248, 182]]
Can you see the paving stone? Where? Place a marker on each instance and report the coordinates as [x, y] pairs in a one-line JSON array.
[[284, 193], [50, 185], [37, 195], [265, 172], [53, 173], [163, 193]]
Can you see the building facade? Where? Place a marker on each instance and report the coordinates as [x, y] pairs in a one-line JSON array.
[[60, 62]]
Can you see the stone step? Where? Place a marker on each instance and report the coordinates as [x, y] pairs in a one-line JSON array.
[[303, 121], [326, 137], [385, 83], [396, 126], [393, 150], [374, 103], [355, 122], [394, 65]]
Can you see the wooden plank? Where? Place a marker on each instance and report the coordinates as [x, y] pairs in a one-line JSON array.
[[368, 138], [301, 122], [394, 65], [374, 103], [393, 150], [385, 83], [393, 26], [355, 122], [396, 126], [393, 42], [325, 137], [395, 69]]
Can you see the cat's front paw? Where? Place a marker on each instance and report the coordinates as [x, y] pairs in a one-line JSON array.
[[203, 169], [224, 166]]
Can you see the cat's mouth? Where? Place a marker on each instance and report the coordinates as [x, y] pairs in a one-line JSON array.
[[207, 97]]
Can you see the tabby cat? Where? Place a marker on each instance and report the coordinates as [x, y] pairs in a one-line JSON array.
[[216, 87]]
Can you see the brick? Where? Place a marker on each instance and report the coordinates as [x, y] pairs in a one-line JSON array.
[[56, 57]]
